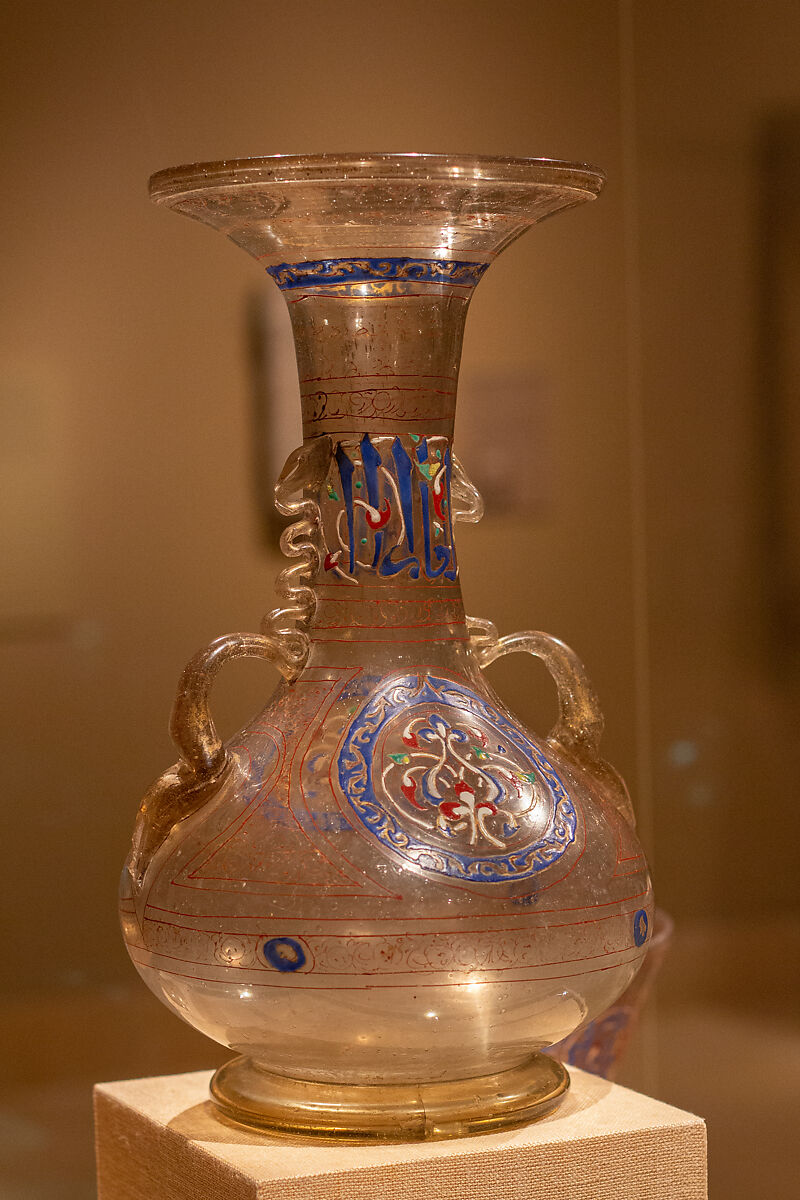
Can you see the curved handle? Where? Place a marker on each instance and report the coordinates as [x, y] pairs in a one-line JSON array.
[[579, 727], [191, 724], [188, 785]]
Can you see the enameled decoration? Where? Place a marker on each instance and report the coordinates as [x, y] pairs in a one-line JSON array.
[[384, 894]]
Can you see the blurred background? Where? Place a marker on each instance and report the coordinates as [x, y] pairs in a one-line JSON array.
[[651, 357]]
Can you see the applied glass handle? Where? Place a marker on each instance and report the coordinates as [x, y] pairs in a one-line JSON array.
[[191, 725], [579, 727]]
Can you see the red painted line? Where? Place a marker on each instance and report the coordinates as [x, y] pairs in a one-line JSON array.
[[387, 600], [309, 975], [322, 288], [401, 420], [241, 819], [364, 391], [532, 912], [267, 785], [292, 888], [575, 862], [429, 250], [427, 933], [423, 588], [330, 888], [416, 625], [256, 801], [200, 962], [403, 641], [334, 849], [394, 375], [286, 883], [402, 296], [481, 970], [324, 679], [195, 962], [194, 874]]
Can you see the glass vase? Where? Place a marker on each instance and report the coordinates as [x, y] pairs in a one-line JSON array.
[[385, 894]]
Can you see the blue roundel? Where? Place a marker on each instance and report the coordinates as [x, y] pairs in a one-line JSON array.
[[451, 785], [284, 954], [640, 927]]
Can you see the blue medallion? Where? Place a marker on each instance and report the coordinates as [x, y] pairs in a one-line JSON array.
[[451, 785]]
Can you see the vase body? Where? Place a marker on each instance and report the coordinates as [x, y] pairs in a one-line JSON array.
[[385, 885]]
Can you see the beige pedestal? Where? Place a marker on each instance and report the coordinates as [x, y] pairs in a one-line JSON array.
[[160, 1139]]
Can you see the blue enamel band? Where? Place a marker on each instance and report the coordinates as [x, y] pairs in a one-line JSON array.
[[369, 270]]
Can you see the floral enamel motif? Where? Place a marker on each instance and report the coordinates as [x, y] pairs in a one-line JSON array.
[[446, 781]]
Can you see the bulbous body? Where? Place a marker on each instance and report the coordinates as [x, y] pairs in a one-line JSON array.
[[385, 881], [327, 932]]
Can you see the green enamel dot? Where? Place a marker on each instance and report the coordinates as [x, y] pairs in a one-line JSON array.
[[358, 483], [438, 453], [363, 541], [332, 493], [415, 437]]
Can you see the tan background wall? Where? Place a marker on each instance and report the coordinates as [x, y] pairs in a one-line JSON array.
[[726, 826]]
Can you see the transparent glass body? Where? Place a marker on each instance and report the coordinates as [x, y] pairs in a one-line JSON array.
[[385, 893]]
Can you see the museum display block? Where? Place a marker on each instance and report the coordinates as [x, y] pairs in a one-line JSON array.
[[162, 1137], [385, 894]]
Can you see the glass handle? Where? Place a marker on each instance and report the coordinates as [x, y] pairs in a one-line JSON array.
[[188, 785], [579, 727], [191, 724]]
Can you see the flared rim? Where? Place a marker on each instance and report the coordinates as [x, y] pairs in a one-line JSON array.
[[469, 169]]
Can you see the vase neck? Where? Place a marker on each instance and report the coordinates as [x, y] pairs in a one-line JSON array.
[[388, 572], [378, 342]]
